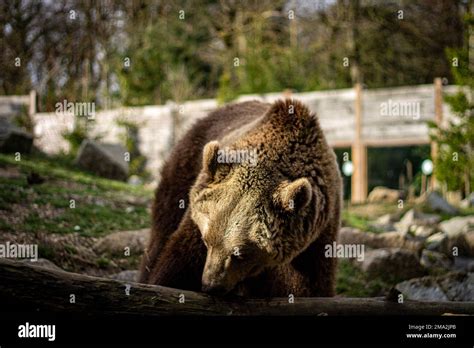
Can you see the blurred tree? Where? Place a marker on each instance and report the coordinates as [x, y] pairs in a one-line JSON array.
[[146, 52], [455, 162], [165, 46], [64, 48], [18, 20]]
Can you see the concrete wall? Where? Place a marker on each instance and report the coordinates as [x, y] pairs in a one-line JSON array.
[[13, 105], [162, 125]]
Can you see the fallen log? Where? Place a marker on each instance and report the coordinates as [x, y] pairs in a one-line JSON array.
[[25, 287]]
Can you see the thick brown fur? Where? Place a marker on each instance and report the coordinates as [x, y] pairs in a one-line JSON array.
[[291, 149]]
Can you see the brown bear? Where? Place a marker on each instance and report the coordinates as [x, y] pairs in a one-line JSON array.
[[247, 202]]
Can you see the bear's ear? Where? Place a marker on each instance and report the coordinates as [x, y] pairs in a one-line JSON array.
[[209, 158], [293, 196]]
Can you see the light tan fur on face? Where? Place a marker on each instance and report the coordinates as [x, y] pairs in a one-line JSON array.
[[231, 232], [240, 223], [271, 211]]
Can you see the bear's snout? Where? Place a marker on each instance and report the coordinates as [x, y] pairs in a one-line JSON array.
[[213, 289]]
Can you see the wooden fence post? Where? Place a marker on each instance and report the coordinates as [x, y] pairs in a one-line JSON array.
[[359, 153], [438, 108], [32, 104]]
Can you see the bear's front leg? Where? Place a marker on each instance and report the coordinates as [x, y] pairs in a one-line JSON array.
[[181, 262]]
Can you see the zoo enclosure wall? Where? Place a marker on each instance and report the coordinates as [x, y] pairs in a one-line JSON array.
[[353, 118]]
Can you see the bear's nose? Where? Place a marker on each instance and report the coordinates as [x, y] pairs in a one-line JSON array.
[[213, 289]]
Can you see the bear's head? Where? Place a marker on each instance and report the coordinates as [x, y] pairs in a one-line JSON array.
[[251, 216]]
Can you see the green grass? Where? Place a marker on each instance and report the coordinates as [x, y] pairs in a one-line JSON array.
[[60, 168], [352, 282], [46, 251], [101, 205], [103, 262], [362, 215], [356, 221], [462, 212]]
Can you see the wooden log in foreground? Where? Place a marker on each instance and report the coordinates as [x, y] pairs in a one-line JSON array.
[[27, 287]]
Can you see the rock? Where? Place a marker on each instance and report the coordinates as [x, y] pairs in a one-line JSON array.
[[422, 290], [422, 232], [414, 217], [454, 286], [436, 242], [460, 234], [457, 225], [435, 260], [408, 219], [385, 219], [456, 245], [44, 263], [465, 264], [106, 160], [438, 203], [392, 263], [382, 227], [349, 235], [469, 240], [461, 244], [398, 240], [458, 287], [385, 223], [382, 194], [115, 243], [13, 139], [126, 276]]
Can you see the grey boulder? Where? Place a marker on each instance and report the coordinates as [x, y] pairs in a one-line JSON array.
[[105, 160]]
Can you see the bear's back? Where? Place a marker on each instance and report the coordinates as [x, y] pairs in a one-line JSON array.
[[187, 154]]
